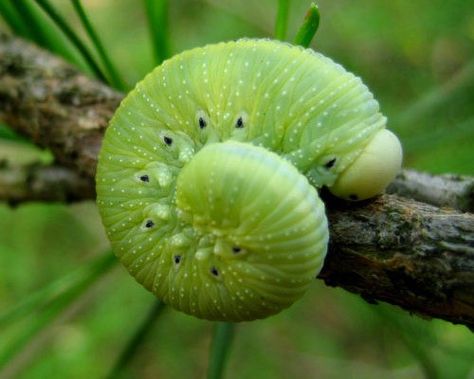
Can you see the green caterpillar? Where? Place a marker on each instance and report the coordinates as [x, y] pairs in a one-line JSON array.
[[207, 177]]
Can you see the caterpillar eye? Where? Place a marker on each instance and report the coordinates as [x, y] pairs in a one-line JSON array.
[[145, 178]]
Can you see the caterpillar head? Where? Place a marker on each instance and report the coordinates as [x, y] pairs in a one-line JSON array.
[[373, 170], [207, 176]]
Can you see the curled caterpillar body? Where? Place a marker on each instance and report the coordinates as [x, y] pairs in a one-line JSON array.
[[206, 178]]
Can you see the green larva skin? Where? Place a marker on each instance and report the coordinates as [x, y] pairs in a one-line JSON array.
[[261, 239], [203, 181]]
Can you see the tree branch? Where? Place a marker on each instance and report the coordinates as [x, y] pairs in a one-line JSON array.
[[454, 191], [391, 249], [37, 182], [406, 253], [50, 102]]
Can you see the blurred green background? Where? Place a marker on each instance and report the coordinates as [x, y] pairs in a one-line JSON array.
[[418, 59]]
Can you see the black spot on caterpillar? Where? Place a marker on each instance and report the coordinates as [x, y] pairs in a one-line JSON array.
[[214, 271], [168, 140], [330, 163], [202, 123], [149, 224], [239, 123], [238, 231], [236, 249]]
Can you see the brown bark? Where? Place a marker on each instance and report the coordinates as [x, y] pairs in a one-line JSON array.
[[454, 191], [391, 249], [54, 105], [404, 252], [36, 182]]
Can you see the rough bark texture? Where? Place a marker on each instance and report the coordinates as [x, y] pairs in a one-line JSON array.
[[454, 191], [392, 249], [36, 182], [44, 98], [404, 252]]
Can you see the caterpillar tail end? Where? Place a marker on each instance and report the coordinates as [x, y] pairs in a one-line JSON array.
[[261, 231]]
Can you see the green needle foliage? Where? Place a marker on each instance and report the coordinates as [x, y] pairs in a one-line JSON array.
[[157, 14], [220, 347], [13, 20], [132, 347], [56, 290], [281, 24], [112, 72], [50, 302], [33, 21], [414, 335], [24, 16], [309, 27], [73, 37], [436, 97]]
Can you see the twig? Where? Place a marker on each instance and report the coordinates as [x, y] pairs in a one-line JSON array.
[[35, 182], [49, 101], [406, 253], [454, 191], [393, 249]]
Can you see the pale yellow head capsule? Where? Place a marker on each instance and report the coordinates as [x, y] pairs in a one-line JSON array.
[[373, 170]]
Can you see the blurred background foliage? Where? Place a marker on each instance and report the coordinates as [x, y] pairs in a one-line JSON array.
[[418, 59]]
